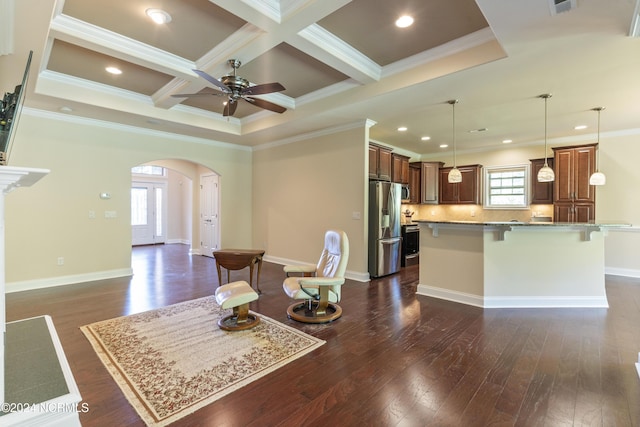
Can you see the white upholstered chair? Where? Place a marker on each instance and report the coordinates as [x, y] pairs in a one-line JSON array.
[[320, 285]]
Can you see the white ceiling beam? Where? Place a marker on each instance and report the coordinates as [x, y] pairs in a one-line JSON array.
[[331, 50], [92, 37]]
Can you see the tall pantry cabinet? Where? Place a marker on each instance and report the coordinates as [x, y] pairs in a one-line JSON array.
[[574, 199]]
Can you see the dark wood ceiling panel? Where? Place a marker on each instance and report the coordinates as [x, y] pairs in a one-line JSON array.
[[298, 72], [196, 26], [86, 64], [436, 22]]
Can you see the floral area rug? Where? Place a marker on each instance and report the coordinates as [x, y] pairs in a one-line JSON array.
[[172, 361]]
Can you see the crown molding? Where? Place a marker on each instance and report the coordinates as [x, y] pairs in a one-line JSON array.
[[85, 121]]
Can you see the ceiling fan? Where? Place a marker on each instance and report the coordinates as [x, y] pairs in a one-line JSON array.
[[236, 88]]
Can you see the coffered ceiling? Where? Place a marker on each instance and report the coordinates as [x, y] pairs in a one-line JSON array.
[[340, 62]]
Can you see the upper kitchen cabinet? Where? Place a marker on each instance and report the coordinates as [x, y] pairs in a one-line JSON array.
[[414, 182], [379, 162], [574, 199], [429, 182], [399, 168], [541, 192], [465, 192]]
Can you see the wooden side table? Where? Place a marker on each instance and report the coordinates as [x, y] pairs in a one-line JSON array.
[[237, 259]]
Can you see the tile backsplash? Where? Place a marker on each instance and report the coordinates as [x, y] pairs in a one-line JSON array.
[[474, 213]]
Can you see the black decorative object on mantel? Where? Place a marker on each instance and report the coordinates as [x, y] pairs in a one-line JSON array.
[[10, 108]]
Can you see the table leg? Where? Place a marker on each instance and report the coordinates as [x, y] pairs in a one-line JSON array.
[[219, 274], [258, 275]]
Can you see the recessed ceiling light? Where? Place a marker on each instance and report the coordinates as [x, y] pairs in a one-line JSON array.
[[425, 138], [444, 145], [404, 21], [113, 70], [507, 141], [402, 129], [580, 127], [158, 16], [66, 109]]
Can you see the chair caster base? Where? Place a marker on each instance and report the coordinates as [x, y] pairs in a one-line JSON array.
[[300, 311], [230, 322]]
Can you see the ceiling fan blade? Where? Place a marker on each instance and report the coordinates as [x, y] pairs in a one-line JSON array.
[[229, 109], [263, 88], [187, 95], [265, 104], [212, 80]]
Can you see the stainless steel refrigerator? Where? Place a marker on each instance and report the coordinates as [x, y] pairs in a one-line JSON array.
[[385, 239]]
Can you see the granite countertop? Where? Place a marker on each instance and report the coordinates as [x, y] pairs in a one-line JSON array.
[[530, 224]]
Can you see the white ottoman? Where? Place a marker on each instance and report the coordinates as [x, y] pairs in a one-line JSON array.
[[237, 295]]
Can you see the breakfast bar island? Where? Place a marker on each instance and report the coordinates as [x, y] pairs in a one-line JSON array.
[[514, 264]]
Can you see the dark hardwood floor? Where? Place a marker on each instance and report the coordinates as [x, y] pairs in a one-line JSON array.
[[393, 359]]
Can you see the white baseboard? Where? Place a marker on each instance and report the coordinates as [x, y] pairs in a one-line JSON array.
[[178, 241], [352, 275], [50, 282], [512, 302], [625, 272], [445, 294]]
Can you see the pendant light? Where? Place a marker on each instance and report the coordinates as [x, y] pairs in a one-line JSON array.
[[454, 174], [598, 178], [545, 174]]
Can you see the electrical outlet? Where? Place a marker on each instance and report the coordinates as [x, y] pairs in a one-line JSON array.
[[355, 215], [92, 214], [60, 260], [110, 214]]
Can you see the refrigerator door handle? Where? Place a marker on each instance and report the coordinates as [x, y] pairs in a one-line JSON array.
[[390, 241]]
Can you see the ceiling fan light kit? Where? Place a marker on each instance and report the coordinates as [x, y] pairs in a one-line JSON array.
[[236, 88]]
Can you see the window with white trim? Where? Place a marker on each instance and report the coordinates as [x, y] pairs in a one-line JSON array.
[[148, 170], [506, 187]]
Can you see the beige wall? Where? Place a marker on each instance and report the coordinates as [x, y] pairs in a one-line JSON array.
[[50, 220], [619, 199], [304, 188], [280, 197]]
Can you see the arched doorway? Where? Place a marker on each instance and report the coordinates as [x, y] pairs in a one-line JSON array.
[[172, 202]]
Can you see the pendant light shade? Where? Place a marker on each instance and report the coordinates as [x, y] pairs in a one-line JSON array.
[[454, 174], [545, 174], [598, 178]]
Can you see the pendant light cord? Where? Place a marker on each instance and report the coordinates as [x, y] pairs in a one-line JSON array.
[[545, 130], [598, 109], [454, 132]]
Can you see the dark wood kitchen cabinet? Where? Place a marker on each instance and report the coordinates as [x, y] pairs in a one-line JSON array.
[[414, 182], [541, 192], [379, 162], [465, 192], [574, 199], [423, 183], [429, 182], [399, 168]]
